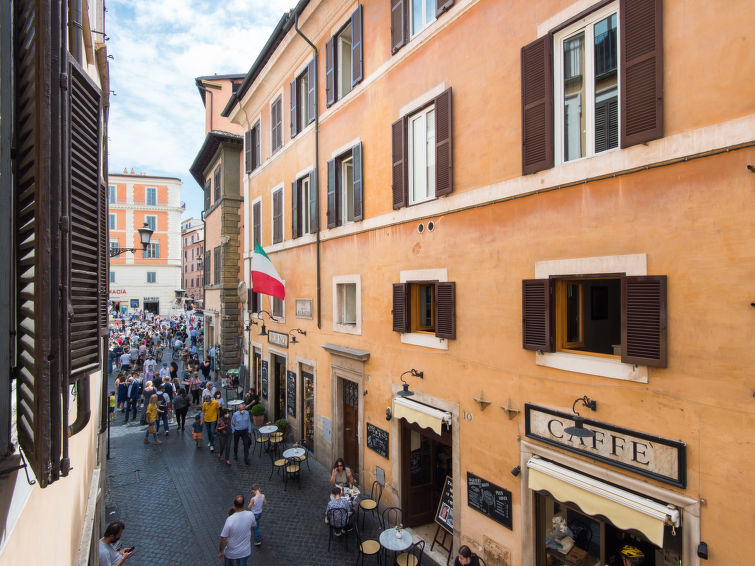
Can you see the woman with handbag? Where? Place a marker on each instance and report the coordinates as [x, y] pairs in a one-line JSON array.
[[151, 417], [223, 432]]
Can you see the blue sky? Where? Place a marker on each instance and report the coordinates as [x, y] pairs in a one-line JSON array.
[[159, 47]]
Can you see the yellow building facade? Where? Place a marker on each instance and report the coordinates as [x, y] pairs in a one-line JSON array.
[[526, 217]]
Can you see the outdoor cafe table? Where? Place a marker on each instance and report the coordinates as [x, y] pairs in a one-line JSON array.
[[292, 453], [268, 429], [234, 404], [389, 541]]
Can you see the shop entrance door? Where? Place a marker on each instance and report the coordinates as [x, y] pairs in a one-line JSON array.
[[152, 306], [279, 387], [425, 462], [350, 424], [307, 411]]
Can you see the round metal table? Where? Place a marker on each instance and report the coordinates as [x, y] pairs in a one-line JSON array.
[[268, 429], [293, 453], [234, 404], [389, 541]]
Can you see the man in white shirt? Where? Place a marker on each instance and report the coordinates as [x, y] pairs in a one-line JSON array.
[[108, 556], [164, 371], [125, 361], [150, 363], [235, 538], [177, 345]]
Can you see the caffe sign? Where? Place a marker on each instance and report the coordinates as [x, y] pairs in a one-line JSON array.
[[652, 456]]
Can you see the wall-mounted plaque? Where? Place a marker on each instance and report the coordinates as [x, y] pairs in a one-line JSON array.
[[304, 308], [377, 440], [264, 379], [489, 499], [291, 393], [277, 338]]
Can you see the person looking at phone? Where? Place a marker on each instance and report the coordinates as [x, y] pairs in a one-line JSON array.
[[108, 555]]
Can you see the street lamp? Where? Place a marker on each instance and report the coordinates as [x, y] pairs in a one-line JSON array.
[[145, 234]]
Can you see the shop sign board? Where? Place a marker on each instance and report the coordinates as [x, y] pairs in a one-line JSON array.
[[277, 338], [651, 456], [489, 499], [444, 515], [377, 440]]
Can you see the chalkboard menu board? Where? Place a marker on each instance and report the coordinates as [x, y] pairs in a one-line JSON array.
[[291, 393], [264, 379], [444, 516], [377, 439], [489, 499]]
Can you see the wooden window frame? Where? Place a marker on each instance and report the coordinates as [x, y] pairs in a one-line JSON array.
[[424, 111], [414, 303]]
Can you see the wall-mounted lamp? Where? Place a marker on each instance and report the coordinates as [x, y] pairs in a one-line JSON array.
[[248, 327], [263, 332], [579, 429], [702, 550], [293, 338], [414, 373], [388, 414], [516, 471]]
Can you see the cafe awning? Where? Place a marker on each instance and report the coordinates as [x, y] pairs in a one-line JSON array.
[[624, 509], [423, 415]]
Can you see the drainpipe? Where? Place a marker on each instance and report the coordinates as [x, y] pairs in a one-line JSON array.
[[317, 168]]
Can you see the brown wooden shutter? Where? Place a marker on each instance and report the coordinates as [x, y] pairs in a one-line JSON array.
[[537, 315], [444, 144], [356, 46], [537, 105], [218, 189], [278, 216], [332, 200], [84, 185], [104, 261], [356, 155], [401, 322], [295, 209], [314, 221], [399, 24], [248, 151], [445, 310], [641, 83], [311, 91], [606, 125], [207, 194], [207, 268], [399, 169], [292, 108], [442, 5], [257, 214], [256, 156], [643, 320], [330, 72]]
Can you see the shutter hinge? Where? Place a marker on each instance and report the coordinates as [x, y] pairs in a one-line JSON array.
[[64, 224], [64, 81]]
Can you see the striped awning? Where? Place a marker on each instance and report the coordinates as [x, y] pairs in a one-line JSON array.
[[424, 415]]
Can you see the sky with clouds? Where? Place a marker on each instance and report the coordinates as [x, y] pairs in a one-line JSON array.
[[159, 47]]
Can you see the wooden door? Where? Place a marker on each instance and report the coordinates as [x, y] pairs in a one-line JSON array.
[[257, 373], [351, 425], [279, 388]]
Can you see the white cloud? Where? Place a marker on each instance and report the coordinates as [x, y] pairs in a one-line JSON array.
[[159, 48]]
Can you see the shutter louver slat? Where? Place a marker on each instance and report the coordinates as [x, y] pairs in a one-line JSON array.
[[443, 144], [356, 46], [537, 315], [399, 24], [401, 308], [356, 154], [537, 105], [332, 201], [445, 310], [643, 320], [399, 170], [330, 73]]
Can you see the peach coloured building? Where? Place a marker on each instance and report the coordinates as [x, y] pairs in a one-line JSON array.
[[192, 256], [517, 238]]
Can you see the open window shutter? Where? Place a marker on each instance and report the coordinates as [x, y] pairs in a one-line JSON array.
[[401, 308], [292, 107], [257, 212], [294, 209], [641, 81], [314, 221], [356, 154], [442, 5], [399, 169], [356, 46], [606, 124], [84, 177], [207, 194], [256, 144], [157, 251], [330, 72], [643, 320], [248, 151], [537, 105], [538, 315], [277, 216], [443, 144], [445, 310], [104, 263], [332, 193], [399, 24], [311, 91]]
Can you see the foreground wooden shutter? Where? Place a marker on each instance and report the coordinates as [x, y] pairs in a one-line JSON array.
[[399, 24], [444, 144], [104, 263], [399, 169], [314, 221], [295, 209], [643, 320], [537, 105], [256, 156], [537, 315], [330, 72], [445, 310], [311, 91], [641, 81], [332, 200], [356, 46], [248, 151], [84, 186], [356, 154], [442, 5], [401, 321], [292, 109]]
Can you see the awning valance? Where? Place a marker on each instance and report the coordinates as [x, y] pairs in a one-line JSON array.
[[424, 416], [624, 509]]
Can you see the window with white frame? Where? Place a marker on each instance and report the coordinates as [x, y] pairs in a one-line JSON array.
[[587, 86], [345, 188], [276, 306], [152, 251], [303, 205], [421, 147], [152, 196], [422, 13], [114, 245], [302, 89], [152, 277], [343, 60], [113, 194], [111, 222], [151, 221], [347, 307]]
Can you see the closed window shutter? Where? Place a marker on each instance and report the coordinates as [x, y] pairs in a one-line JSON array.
[[248, 151], [257, 210], [641, 83], [294, 209], [104, 283], [445, 310], [442, 5], [356, 154], [314, 221], [443, 144], [84, 187], [537, 105], [311, 91], [292, 108], [207, 194], [157, 251], [399, 170], [399, 24], [606, 125], [217, 184], [256, 145], [356, 46], [278, 216], [207, 267], [401, 308], [537, 315], [330, 72], [332, 200], [643, 320]]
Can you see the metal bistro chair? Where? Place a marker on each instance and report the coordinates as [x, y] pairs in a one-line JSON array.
[[366, 547], [371, 503], [413, 556], [260, 440], [277, 464], [276, 441], [391, 517], [292, 470], [341, 517], [305, 444]]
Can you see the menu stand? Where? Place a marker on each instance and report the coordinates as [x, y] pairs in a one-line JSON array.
[[442, 542]]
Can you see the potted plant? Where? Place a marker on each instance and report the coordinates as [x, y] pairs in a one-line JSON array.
[[258, 414], [283, 426]]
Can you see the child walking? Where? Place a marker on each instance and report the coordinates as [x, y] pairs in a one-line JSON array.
[[196, 430], [255, 506], [151, 417]]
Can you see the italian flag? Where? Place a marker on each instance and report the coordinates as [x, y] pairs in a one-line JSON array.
[[264, 277]]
